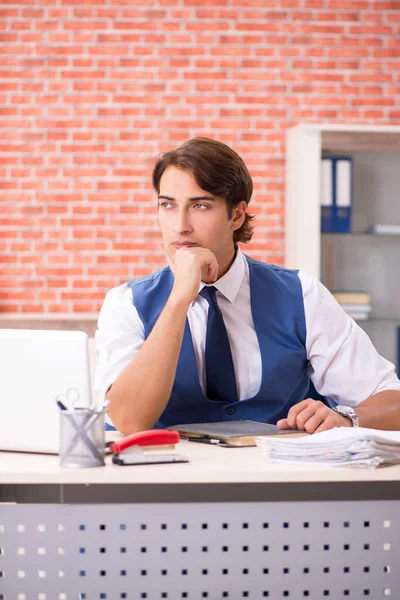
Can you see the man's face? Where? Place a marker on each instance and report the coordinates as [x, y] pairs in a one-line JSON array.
[[190, 216]]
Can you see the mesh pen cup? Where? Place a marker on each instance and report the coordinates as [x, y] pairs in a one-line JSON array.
[[82, 438]]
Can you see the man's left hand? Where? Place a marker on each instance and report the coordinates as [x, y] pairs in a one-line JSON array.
[[313, 416]]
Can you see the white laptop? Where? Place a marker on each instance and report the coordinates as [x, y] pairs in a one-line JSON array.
[[36, 366]]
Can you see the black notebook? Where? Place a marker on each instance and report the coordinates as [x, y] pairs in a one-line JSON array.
[[231, 433]]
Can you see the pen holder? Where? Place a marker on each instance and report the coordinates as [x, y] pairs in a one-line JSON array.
[[82, 437]]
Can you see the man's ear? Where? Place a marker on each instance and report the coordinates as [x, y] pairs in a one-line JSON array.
[[238, 215]]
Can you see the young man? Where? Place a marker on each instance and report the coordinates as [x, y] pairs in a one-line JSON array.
[[165, 354]]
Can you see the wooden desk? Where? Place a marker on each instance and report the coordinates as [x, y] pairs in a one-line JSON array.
[[226, 525]]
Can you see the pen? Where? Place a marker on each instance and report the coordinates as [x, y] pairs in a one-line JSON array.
[[205, 440]]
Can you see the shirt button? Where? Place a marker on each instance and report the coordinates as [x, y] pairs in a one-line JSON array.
[[231, 410]]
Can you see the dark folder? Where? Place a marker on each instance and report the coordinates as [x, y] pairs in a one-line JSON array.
[[231, 433]]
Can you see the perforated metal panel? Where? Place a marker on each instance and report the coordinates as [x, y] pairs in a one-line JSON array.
[[216, 550]]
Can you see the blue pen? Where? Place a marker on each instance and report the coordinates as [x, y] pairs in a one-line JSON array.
[[68, 400]]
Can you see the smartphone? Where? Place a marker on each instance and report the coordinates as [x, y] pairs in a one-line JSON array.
[[148, 459]]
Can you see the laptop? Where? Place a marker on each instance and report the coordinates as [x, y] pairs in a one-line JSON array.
[[37, 366]]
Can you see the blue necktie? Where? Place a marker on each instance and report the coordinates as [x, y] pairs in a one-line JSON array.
[[221, 382]]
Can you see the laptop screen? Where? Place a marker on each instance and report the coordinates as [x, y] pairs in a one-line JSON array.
[[37, 366]]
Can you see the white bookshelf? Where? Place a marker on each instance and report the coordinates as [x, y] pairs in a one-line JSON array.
[[360, 261], [304, 146]]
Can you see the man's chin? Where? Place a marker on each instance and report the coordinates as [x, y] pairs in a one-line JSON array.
[[170, 258]]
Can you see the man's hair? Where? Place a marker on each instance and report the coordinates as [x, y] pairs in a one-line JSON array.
[[217, 169]]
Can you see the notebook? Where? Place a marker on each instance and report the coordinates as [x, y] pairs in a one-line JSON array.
[[36, 366], [232, 433]]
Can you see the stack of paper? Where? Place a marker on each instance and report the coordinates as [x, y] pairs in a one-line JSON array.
[[338, 447]]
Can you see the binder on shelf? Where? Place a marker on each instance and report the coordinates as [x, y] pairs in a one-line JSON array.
[[336, 194], [326, 195]]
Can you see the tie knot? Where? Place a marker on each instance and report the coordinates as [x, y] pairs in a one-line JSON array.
[[208, 292]]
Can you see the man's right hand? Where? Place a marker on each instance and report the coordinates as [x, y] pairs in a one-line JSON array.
[[191, 266], [137, 398]]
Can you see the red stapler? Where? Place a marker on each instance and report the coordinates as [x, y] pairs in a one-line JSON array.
[[147, 447]]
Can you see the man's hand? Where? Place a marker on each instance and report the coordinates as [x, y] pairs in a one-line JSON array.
[[191, 266], [313, 416]]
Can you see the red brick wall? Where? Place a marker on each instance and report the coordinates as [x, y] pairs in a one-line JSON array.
[[92, 90]]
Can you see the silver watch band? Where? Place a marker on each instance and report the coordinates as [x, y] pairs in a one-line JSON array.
[[347, 411]]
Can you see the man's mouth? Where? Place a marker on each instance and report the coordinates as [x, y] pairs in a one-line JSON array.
[[178, 245]]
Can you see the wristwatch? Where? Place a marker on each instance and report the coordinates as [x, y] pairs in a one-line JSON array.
[[347, 411]]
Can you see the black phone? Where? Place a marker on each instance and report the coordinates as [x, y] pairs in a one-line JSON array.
[[148, 459]]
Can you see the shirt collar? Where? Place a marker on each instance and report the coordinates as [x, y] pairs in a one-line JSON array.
[[229, 284]]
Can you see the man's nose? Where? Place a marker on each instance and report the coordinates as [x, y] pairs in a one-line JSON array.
[[182, 223]]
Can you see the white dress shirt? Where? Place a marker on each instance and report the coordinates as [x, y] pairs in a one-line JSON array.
[[343, 363]]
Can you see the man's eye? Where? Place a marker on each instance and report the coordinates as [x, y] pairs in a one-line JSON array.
[[165, 204], [201, 206]]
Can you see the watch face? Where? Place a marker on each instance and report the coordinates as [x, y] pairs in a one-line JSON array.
[[350, 413], [345, 410]]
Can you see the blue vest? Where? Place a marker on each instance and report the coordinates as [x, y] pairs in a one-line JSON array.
[[278, 315]]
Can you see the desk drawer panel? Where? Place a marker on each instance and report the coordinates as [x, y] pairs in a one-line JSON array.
[[191, 550]]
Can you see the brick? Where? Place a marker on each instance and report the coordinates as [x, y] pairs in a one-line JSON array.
[[47, 296], [20, 247], [82, 284], [57, 259], [59, 308], [57, 283], [86, 307], [32, 308], [25, 295], [388, 5], [8, 308], [373, 102], [84, 295], [375, 114], [31, 259]]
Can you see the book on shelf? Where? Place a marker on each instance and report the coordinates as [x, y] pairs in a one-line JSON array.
[[336, 194], [357, 304], [384, 229], [356, 308], [356, 297]]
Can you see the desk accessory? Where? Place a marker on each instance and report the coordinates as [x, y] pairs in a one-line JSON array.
[[147, 447], [232, 434], [82, 435]]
